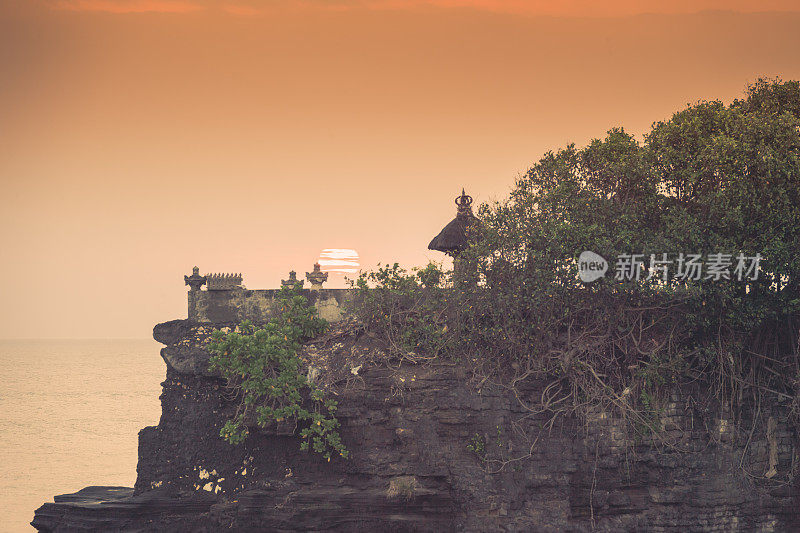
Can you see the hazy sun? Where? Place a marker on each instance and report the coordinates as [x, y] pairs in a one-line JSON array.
[[341, 263]]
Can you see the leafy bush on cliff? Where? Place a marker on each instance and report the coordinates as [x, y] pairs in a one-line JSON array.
[[409, 310], [713, 179], [264, 371]]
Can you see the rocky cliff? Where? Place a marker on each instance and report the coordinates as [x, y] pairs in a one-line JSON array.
[[433, 450]]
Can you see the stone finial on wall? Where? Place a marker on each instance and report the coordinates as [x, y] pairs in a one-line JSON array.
[[292, 281], [195, 281], [224, 282], [317, 277]]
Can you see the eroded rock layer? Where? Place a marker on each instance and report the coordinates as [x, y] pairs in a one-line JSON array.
[[434, 450]]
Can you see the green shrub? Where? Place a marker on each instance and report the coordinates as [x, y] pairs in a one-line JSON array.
[[409, 310], [263, 369]]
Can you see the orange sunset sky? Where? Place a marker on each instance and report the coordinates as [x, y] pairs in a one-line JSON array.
[[141, 137]]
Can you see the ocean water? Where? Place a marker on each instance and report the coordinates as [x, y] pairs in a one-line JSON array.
[[70, 413]]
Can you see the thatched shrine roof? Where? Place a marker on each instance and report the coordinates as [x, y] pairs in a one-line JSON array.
[[454, 237]]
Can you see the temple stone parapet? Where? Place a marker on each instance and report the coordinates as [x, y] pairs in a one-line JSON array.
[[227, 301], [236, 305]]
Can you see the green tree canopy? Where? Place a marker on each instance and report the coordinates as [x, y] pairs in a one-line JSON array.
[[713, 179]]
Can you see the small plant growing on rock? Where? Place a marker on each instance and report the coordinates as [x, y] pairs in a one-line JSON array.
[[263, 369], [477, 445], [402, 487]]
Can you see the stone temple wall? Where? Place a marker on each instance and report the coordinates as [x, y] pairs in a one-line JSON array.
[[237, 304]]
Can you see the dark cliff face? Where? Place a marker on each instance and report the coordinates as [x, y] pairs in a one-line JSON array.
[[431, 451]]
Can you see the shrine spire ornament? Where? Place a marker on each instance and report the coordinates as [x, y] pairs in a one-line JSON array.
[[464, 204], [292, 281], [317, 277], [195, 281]]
